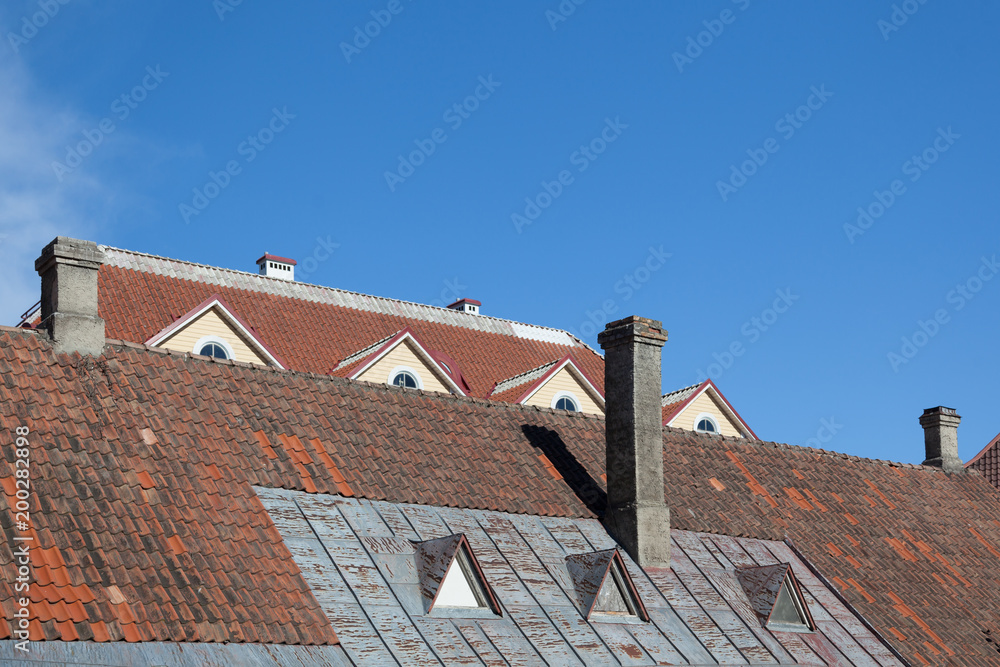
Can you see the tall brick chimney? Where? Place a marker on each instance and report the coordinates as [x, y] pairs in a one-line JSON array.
[[941, 438], [637, 515], [68, 268]]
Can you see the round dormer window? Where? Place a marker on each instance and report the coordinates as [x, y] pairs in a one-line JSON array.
[[565, 401], [406, 377], [705, 423], [213, 346]]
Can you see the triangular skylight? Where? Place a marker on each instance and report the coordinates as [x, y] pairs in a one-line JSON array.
[[775, 596], [604, 588], [461, 587], [450, 577]]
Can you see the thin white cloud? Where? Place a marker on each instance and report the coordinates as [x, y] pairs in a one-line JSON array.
[[34, 206]]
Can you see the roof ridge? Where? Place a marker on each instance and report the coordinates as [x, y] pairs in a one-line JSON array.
[[365, 351], [522, 378], [284, 286], [506, 405], [336, 379], [802, 448], [498, 405], [672, 395], [982, 452]]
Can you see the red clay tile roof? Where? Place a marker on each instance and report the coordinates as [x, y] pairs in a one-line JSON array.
[[313, 329], [987, 462], [913, 548]]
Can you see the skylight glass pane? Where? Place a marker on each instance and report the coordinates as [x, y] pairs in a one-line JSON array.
[[785, 610], [460, 587], [613, 598]]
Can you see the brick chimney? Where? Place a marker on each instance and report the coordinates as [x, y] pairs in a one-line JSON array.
[[637, 515], [941, 438], [69, 268]]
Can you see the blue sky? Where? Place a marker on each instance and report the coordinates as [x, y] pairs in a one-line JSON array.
[[700, 164]]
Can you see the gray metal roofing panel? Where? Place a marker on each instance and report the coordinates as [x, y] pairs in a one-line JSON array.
[[523, 378], [176, 654], [360, 563], [678, 395]]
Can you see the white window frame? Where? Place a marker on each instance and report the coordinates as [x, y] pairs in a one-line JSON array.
[[709, 417], [566, 394], [412, 371], [205, 340]]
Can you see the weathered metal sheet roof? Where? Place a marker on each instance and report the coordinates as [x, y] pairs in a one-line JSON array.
[[353, 554], [175, 654]]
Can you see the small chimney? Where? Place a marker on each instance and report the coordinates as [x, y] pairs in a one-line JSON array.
[[69, 269], [637, 515], [470, 306], [941, 438], [273, 266]]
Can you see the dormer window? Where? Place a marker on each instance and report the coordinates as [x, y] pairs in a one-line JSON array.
[[461, 587], [213, 346], [776, 597], [614, 596], [408, 378], [605, 591], [565, 401], [705, 423], [452, 583]]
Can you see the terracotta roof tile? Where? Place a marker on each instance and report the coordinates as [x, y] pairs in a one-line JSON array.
[[314, 329], [415, 447]]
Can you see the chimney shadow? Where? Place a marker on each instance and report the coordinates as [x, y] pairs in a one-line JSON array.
[[586, 488]]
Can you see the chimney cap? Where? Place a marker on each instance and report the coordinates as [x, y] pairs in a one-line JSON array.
[[632, 329], [942, 410], [934, 416], [276, 258]]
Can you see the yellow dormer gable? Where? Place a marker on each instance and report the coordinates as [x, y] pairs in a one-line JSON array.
[[404, 358], [564, 384], [207, 327], [213, 330], [705, 405], [702, 407]]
